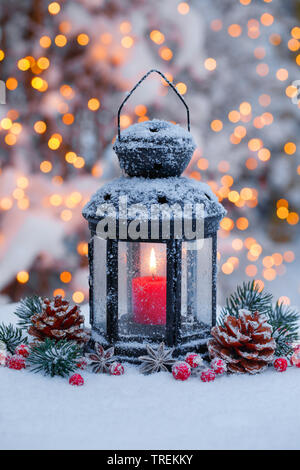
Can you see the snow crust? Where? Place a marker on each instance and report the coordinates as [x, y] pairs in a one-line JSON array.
[[146, 191], [153, 131], [148, 412]]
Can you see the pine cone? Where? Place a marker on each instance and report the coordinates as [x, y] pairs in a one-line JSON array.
[[58, 320], [245, 343]]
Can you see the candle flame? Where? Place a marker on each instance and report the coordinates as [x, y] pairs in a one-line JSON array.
[[152, 262]]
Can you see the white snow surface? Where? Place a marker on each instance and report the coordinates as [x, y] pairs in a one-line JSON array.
[[148, 412]]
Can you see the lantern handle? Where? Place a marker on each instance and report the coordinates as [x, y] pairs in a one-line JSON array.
[[138, 84]]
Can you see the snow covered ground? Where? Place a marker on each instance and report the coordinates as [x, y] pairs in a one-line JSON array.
[[152, 412]]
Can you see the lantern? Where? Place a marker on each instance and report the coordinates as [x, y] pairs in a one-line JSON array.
[[153, 246]]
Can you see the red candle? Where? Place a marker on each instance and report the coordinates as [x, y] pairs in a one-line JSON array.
[[149, 295]]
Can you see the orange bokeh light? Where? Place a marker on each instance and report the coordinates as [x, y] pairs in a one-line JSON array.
[[83, 39], [165, 53], [234, 30], [65, 277], [210, 64], [216, 125], [290, 148], [282, 75], [242, 223], [267, 19], [93, 104], [183, 8]]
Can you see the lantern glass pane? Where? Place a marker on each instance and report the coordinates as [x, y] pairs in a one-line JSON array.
[[196, 300], [142, 289], [99, 283]]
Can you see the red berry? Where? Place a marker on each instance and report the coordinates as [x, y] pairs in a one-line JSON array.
[[295, 359], [76, 379], [82, 364], [22, 350], [181, 370], [116, 368], [16, 362], [194, 360], [281, 364], [208, 375], [218, 366]]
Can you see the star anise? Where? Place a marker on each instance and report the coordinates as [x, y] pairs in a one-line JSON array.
[[100, 360], [156, 360]]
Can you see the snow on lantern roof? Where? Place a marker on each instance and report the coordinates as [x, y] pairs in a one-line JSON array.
[[145, 191], [154, 149], [154, 131]]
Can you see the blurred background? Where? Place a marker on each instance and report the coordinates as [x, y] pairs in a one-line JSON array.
[[67, 66]]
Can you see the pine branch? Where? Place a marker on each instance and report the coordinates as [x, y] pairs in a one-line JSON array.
[[28, 307], [55, 358], [11, 337], [283, 319], [285, 324], [247, 296]]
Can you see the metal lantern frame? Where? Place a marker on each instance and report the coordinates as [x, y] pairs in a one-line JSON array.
[[131, 346], [173, 338]]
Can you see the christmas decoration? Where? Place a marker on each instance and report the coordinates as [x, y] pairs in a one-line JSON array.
[[157, 360], [280, 364], [16, 362], [26, 309], [153, 154], [218, 366], [295, 359], [282, 318], [82, 364], [76, 379], [22, 350], [152, 138], [58, 320], [248, 296], [11, 337], [208, 375], [285, 325], [181, 371], [100, 360], [194, 360], [55, 357], [116, 368], [245, 342]]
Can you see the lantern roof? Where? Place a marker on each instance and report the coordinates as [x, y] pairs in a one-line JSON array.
[[148, 192]]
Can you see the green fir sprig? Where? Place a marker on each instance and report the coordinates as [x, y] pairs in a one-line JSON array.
[[26, 309], [285, 325], [11, 337], [248, 296], [55, 358]]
